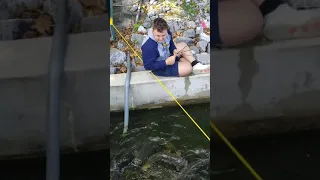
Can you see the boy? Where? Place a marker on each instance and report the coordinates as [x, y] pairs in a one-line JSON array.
[[164, 58]]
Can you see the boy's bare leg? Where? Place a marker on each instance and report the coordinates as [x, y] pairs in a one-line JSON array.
[[186, 56]]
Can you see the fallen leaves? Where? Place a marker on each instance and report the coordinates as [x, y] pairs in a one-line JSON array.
[[43, 24], [123, 69], [93, 7], [206, 31]]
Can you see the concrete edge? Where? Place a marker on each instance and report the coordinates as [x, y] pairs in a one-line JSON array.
[[30, 57], [146, 93]]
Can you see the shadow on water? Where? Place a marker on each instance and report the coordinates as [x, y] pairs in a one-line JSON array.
[[161, 144], [80, 166]]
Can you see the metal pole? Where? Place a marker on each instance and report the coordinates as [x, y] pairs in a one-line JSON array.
[[126, 106], [113, 37], [56, 68]]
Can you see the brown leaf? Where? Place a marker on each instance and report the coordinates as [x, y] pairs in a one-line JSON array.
[[43, 24], [123, 69], [207, 31]]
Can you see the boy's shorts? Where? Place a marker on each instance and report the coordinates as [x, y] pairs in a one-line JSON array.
[[170, 70]]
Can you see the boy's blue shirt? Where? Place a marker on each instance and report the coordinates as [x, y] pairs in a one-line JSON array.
[[154, 54]]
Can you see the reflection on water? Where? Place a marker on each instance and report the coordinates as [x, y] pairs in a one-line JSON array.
[[82, 166], [292, 156], [161, 144]]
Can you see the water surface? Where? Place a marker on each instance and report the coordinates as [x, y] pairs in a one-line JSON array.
[[161, 144]]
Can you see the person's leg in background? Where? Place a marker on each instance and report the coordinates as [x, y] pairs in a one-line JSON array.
[[239, 21]]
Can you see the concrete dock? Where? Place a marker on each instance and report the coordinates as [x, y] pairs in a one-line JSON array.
[[266, 89], [147, 93]]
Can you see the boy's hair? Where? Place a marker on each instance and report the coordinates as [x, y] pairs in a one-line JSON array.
[[160, 24]]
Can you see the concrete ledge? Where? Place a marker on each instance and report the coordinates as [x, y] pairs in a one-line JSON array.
[[30, 57], [279, 80], [146, 92]]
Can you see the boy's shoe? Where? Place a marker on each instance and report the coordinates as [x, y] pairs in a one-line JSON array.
[[201, 69]]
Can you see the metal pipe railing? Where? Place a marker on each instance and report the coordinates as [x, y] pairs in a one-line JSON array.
[[55, 71], [127, 93]]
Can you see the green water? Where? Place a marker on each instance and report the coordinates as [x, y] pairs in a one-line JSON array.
[[161, 144]]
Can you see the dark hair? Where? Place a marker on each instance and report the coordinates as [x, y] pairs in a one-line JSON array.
[[160, 24]]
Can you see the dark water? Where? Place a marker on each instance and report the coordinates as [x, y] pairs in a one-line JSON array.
[[294, 156], [164, 144], [161, 144]]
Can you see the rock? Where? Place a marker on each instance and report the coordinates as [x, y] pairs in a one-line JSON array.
[[194, 50], [4, 12], [171, 26], [203, 58], [134, 8], [138, 38], [153, 2], [147, 19], [178, 26], [117, 57], [127, 22], [153, 17], [113, 70], [189, 41], [191, 25], [202, 5], [14, 28], [76, 13], [189, 33], [288, 23], [151, 13], [202, 45], [199, 30], [121, 44], [204, 37], [147, 24], [142, 29], [162, 9]]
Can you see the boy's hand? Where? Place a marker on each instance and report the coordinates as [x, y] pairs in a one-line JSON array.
[[170, 60]]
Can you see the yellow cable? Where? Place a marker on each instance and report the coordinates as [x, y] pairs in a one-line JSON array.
[[234, 150], [164, 87]]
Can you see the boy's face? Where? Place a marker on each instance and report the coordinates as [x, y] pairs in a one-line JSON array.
[[160, 36]]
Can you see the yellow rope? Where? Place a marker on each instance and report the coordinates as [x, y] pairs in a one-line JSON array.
[[234, 150]]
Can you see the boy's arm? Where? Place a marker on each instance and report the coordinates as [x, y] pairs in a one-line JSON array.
[[149, 56]]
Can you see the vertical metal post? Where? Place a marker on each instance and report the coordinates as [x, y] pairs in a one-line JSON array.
[[56, 69], [127, 93], [113, 37]]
